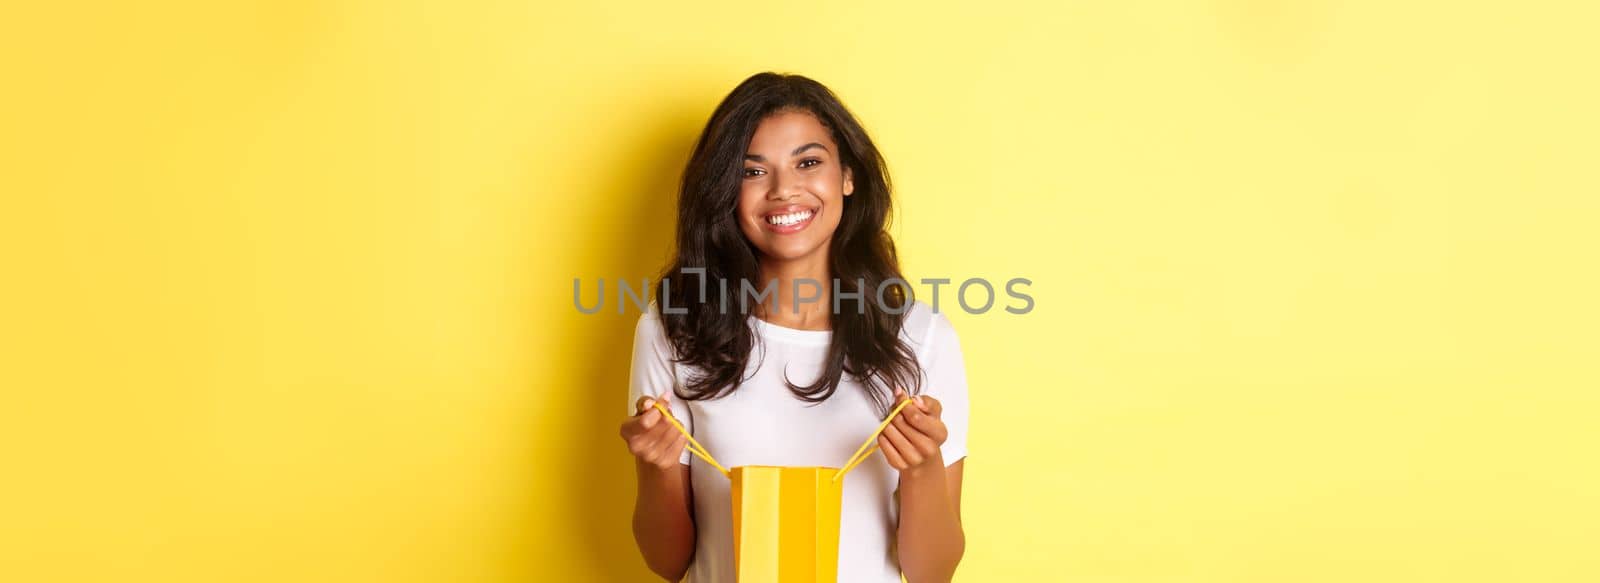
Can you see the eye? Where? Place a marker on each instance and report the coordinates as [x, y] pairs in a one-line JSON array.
[[810, 162], [753, 172]]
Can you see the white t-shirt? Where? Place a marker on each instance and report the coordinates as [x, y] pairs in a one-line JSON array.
[[763, 423]]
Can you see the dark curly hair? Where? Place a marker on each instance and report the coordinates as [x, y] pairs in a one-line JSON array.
[[717, 341]]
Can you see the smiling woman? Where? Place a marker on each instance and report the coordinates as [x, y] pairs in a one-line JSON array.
[[785, 186], [778, 200], [776, 148]]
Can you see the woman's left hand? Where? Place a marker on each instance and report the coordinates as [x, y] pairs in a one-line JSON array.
[[911, 441]]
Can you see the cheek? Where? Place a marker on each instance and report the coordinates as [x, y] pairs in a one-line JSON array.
[[744, 198], [830, 188], [749, 200]]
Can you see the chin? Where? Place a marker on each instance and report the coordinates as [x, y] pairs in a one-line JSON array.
[[792, 252]]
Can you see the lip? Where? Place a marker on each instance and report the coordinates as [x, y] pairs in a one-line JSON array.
[[787, 229]]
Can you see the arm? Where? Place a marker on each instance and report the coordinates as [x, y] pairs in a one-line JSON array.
[[929, 536], [663, 522]]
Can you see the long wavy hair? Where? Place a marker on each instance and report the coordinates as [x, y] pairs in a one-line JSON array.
[[715, 338]]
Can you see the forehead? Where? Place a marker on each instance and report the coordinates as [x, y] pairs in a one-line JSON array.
[[784, 130]]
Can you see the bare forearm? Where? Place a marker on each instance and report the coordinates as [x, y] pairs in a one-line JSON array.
[[929, 537], [662, 523]]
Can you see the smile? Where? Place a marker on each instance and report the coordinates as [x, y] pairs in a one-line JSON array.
[[790, 220]]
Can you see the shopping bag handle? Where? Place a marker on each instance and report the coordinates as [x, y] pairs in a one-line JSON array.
[[694, 447], [865, 451], [872, 440]]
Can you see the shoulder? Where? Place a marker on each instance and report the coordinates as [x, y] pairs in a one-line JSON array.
[[925, 328], [650, 327]]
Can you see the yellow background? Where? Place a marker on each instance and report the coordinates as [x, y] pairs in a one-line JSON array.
[[287, 285]]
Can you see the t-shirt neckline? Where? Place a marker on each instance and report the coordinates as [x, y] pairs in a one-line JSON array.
[[792, 334]]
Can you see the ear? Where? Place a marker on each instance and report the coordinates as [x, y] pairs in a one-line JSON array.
[[849, 181]]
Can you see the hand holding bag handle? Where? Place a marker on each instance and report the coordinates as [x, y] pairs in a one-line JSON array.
[[865, 451], [694, 447], [858, 457]]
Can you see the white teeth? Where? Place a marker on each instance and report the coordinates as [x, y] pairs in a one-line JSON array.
[[789, 219]]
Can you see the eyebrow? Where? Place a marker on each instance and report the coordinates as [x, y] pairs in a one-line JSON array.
[[796, 152]]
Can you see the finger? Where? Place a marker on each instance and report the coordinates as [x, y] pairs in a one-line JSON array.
[[678, 442], [915, 412], [655, 437], [648, 402], [924, 443], [640, 442], [903, 445], [928, 426], [665, 401], [891, 454], [901, 423], [900, 395], [910, 404], [650, 419], [667, 454], [934, 407], [634, 426], [665, 430]]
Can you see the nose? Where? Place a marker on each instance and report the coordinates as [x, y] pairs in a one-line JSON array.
[[786, 186]]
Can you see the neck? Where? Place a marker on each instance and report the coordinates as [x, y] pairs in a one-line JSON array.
[[815, 280]]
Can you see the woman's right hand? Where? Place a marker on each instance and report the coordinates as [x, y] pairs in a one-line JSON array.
[[651, 439]]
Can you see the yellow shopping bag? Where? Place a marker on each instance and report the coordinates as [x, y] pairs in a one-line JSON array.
[[786, 519]]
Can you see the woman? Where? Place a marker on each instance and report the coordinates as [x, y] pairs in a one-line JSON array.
[[783, 187]]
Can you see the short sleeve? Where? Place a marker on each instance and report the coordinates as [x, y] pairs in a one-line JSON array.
[[652, 373], [947, 382]]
